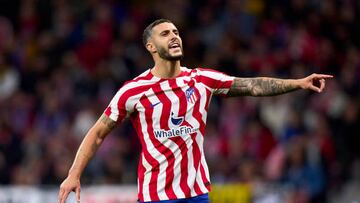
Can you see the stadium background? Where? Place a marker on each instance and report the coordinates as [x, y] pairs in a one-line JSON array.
[[62, 61]]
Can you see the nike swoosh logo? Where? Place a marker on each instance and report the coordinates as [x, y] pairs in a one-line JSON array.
[[153, 105]]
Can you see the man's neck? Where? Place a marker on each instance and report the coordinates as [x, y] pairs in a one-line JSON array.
[[166, 69]]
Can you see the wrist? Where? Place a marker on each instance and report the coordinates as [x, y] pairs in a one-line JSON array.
[[298, 84], [73, 174]]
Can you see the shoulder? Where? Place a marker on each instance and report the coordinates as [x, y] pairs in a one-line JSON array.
[[138, 84], [196, 71], [208, 72]]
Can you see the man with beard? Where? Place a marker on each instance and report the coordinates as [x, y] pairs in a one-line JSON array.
[[167, 105]]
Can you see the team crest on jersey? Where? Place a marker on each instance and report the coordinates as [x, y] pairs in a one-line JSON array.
[[190, 95]]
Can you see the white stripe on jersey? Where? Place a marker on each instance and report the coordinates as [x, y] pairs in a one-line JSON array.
[[147, 177], [203, 100], [168, 142], [204, 116], [113, 107]]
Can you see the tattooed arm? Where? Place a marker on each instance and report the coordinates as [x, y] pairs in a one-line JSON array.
[[86, 151], [263, 86]]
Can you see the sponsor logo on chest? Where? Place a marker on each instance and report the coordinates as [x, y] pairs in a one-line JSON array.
[[176, 130]]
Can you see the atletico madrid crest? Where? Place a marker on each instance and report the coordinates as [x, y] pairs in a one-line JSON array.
[[190, 95]]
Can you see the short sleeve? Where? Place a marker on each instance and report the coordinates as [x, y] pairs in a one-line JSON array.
[[218, 82], [117, 109]]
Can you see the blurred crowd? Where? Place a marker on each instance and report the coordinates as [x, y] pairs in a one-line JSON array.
[[62, 61]]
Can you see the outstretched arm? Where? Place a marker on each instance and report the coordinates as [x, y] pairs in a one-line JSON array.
[[86, 151], [263, 86]]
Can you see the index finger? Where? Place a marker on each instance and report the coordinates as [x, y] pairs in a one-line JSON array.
[[60, 194], [64, 196], [323, 76]]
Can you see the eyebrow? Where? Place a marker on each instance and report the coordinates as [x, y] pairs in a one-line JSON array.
[[167, 31]]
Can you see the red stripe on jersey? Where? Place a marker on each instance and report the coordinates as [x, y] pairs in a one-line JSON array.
[[159, 146], [197, 188], [183, 164], [180, 142], [153, 162], [208, 81], [166, 110], [208, 95], [204, 178], [141, 172], [227, 84], [108, 111]]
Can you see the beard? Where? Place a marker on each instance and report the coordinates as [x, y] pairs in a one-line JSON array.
[[164, 54]]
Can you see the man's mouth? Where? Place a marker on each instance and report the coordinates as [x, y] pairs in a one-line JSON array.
[[174, 45]]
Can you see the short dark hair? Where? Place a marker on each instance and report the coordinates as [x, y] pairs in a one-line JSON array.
[[148, 30]]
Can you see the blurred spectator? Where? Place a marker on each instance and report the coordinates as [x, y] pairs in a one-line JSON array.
[[305, 179], [9, 78]]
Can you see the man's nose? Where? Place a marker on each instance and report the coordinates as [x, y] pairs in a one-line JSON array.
[[173, 35]]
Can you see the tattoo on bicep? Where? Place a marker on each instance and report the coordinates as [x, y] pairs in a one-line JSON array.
[[108, 122], [260, 87]]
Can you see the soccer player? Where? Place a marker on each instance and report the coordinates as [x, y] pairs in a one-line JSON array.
[[167, 106]]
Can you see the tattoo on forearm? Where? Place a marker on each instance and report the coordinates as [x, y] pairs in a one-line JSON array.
[[94, 147], [108, 122], [260, 87]]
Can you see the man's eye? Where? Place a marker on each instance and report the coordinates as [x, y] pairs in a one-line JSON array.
[[164, 33]]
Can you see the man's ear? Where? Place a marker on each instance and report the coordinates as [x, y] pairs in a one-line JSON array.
[[150, 47]]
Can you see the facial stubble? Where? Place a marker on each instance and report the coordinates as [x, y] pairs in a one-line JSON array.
[[164, 54]]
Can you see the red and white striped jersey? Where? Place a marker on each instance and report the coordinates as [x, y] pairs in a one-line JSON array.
[[169, 116]]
